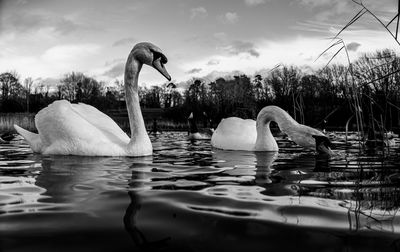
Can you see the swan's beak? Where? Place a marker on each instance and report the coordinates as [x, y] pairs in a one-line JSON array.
[[322, 145], [325, 150], [157, 64]]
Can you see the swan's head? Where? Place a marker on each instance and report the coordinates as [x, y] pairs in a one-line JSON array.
[[323, 145], [151, 55]]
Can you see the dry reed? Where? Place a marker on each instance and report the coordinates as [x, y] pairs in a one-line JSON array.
[[25, 120]]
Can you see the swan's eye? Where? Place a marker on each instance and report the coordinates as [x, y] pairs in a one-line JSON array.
[[158, 55]]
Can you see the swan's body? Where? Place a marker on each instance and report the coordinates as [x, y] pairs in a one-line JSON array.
[[80, 129], [235, 133], [238, 134]]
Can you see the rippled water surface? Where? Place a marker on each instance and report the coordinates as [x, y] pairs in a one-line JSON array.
[[191, 197]]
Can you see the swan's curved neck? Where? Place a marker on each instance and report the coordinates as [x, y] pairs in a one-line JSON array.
[[265, 140], [136, 122]]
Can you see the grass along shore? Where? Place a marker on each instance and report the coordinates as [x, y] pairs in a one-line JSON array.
[[25, 120]]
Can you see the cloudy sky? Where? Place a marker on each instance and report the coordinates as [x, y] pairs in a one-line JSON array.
[[48, 38]]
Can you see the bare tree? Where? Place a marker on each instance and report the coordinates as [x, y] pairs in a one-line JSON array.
[[10, 86]]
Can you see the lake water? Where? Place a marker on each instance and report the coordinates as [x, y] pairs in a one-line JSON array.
[[191, 197]]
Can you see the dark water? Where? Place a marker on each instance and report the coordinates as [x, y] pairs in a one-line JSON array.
[[190, 197]]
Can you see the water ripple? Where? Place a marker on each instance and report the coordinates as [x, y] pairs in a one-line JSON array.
[[352, 191]]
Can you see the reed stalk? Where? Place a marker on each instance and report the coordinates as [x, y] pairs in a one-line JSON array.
[[356, 93], [25, 120]]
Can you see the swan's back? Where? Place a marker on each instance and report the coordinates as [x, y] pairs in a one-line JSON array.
[[78, 129], [100, 120], [234, 133]]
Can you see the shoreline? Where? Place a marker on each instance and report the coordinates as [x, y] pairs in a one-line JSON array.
[[26, 121]]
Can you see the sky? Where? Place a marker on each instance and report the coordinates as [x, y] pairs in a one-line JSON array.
[[45, 39]]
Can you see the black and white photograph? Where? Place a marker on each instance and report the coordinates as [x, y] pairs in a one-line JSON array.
[[199, 125]]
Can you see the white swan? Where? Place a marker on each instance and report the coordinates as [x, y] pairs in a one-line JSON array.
[[80, 129], [238, 134]]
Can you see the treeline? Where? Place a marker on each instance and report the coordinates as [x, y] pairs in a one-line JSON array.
[[32, 96], [322, 98]]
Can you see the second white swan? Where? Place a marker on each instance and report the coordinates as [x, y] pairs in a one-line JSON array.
[[234, 133]]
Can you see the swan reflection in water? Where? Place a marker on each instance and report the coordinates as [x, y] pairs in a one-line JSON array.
[[240, 201], [134, 232]]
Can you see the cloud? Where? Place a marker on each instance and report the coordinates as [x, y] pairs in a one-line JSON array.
[[227, 75], [229, 18], [124, 41], [65, 26], [52, 83], [314, 3], [29, 22], [238, 47], [332, 10], [254, 2], [317, 27], [199, 12], [67, 53], [220, 36], [340, 12], [24, 22], [114, 61], [353, 46], [194, 70], [115, 71], [213, 62]]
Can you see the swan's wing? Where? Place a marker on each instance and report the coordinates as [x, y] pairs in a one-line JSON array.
[[100, 120], [64, 122], [234, 133]]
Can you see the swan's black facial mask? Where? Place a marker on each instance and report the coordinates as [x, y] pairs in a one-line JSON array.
[[323, 145], [159, 60]]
